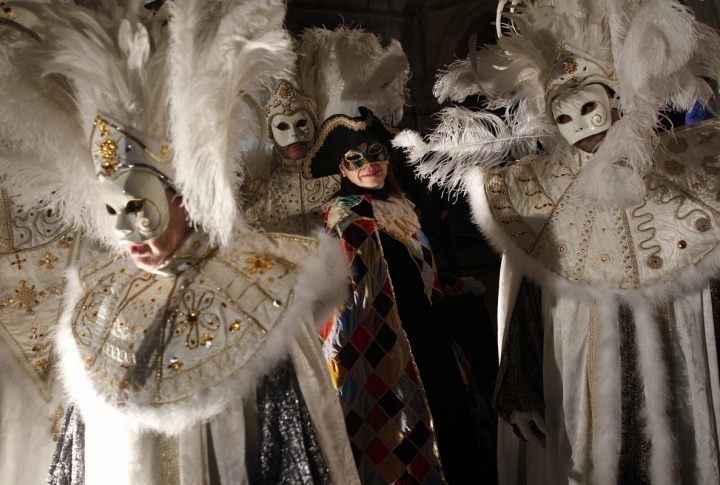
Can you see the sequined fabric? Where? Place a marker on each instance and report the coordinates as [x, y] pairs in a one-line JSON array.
[[68, 462], [519, 386], [289, 450], [635, 448], [715, 299]]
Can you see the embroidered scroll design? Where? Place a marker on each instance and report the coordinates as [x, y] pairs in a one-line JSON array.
[[581, 255], [654, 261], [630, 266], [665, 196], [525, 174], [504, 212]]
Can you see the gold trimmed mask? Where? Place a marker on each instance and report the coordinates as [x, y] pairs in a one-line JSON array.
[[364, 154]]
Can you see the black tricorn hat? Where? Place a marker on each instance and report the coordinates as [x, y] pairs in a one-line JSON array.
[[340, 133]]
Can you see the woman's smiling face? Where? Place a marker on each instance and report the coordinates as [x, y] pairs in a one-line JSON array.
[[371, 176], [366, 165]]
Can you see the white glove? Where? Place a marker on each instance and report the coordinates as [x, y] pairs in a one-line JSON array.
[[525, 422], [472, 285]]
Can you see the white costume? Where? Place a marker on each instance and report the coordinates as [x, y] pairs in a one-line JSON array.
[[205, 369], [283, 201], [35, 250], [615, 250]]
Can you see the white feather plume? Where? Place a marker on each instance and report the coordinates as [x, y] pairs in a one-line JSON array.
[[660, 51], [346, 68], [214, 63], [464, 140], [52, 92]]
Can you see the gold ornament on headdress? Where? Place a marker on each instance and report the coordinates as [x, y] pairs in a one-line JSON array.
[[286, 100]]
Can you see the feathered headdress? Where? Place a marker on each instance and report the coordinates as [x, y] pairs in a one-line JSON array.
[[346, 68], [183, 84], [653, 54]]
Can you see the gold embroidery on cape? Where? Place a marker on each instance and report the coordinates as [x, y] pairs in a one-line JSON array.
[[193, 315], [627, 249], [581, 254], [504, 212]]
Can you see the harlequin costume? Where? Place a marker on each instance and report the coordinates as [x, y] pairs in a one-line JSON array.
[[205, 368], [390, 355], [608, 329]]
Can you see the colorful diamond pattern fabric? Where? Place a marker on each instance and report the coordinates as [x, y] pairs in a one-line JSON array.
[[369, 358]]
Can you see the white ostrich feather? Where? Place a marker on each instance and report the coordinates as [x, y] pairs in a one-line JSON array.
[[192, 75], [53, 90], [346, 68], [214, 64], [464, 140]]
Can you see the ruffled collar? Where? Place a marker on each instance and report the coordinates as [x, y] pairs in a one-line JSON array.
[[288, 164], [396, 216]]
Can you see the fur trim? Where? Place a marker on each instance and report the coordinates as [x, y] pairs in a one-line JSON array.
[[656, 412], [607, 418], [320, 287]]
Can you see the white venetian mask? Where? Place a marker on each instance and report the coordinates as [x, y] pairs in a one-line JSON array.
[[296, 128], [583, 113], [137, 206]]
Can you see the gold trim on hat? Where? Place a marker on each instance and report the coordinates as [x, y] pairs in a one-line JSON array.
[[324, 132]]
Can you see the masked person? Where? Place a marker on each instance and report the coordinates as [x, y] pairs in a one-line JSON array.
[[337, 71], [392, 359], [609, 233], [190, 348], [284, 201]]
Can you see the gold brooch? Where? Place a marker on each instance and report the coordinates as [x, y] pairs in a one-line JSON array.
[[570, 65]]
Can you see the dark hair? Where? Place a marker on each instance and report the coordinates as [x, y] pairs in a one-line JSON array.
[[391, 186]]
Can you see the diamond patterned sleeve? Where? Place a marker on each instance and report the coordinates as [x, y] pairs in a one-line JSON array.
[[519, 385], [68, 461]]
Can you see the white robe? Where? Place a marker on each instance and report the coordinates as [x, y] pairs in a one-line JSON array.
[[657, 259], [566, 391]]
